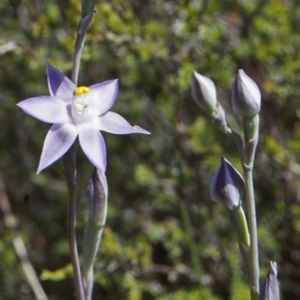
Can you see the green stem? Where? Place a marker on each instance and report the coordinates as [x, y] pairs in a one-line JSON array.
[[76, 59], [247, 149], [70, 165], [69, 161], [251, 129], [79, 43], [253, 253], [89, 284]]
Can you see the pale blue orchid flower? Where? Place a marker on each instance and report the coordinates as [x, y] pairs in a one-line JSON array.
[[77, 111]]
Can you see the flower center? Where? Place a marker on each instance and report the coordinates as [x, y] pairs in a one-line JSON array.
[[80, 103], [81, 90]]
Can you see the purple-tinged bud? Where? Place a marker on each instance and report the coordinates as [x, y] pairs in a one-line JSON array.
[[96, 194], [246, 96], [269, 289], [227, 185], [205, 94]]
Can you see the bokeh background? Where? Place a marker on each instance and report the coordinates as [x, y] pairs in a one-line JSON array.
[[164, 238]]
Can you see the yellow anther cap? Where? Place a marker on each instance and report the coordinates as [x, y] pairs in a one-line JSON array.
[[81, 90]]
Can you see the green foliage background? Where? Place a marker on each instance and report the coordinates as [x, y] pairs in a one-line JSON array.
[[164, 239]]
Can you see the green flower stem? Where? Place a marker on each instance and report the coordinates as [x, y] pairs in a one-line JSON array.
[[251, 129], [79, 43], [89, 284], [253, 253], [69, 161], [247, 150]]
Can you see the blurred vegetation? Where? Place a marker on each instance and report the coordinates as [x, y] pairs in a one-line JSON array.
[[164, 239]]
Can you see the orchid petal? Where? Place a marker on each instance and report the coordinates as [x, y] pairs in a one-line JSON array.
[[59, 85], [102, 96], [114, 123], [47, 109], [59, 139], [93, 145]]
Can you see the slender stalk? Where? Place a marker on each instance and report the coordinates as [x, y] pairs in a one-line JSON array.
[[253, 253], [247, 148], [79, 43], [69, 161], [89, 284], [76, 62], [251, 132]]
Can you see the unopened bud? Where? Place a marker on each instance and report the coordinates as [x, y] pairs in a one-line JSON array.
[[269, 289], [227, 185], [96, 194], [205, 94], [246, 96]]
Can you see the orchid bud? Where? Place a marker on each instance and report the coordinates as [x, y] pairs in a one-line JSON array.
[[269, 289], [96, 193], [205, 94], [246, 96], [227, 185]]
